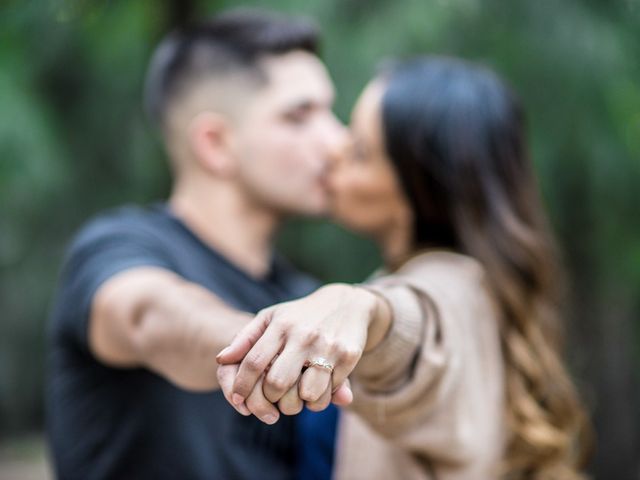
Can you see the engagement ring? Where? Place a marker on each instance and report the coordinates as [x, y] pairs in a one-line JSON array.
[[320, 362]]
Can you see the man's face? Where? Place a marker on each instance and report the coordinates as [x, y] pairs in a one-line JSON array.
[[288, 136]]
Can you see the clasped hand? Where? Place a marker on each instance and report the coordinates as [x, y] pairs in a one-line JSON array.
[[269, 369]]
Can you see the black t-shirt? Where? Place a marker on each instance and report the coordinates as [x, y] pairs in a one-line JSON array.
[[109, 423]]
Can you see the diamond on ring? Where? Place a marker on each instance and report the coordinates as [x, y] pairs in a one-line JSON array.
[[322, 363]]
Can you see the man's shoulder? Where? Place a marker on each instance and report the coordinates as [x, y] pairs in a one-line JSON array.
[[130, 215], [126, 220], [128, 227]]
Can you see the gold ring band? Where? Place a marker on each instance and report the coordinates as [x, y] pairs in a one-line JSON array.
[[322, 363]]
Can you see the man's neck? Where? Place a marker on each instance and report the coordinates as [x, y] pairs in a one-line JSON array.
[[226, 221]]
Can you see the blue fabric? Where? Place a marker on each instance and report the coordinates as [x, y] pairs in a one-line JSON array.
[[316, 432]]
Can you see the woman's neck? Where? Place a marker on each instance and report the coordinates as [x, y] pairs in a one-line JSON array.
[[396, 246]]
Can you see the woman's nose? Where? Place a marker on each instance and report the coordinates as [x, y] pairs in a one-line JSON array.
[[334, 135]]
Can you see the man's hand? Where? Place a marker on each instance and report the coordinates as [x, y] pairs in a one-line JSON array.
[[289, 404]]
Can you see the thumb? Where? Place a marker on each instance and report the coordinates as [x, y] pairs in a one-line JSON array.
[[245, 339], [226, 375]]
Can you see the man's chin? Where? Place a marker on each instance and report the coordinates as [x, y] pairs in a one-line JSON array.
[[319, 211]]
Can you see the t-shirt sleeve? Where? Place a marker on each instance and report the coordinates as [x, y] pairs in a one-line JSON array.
[[103, 248]]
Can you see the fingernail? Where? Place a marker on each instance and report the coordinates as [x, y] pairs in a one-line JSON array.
[[269, 418], [222, 352], [242, 410], [237, 399]]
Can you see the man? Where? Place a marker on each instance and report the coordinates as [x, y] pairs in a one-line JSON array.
[[244, 106]]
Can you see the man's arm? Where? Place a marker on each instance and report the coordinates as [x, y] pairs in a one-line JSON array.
[[150, 317]]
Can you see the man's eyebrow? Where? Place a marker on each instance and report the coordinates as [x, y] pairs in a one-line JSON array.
[[304, 104], [310, 103]]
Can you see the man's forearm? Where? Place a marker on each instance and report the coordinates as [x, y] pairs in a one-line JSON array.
[[181, 330], [155, 319]]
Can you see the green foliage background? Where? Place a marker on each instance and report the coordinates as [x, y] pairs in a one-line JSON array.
[[74, 140]]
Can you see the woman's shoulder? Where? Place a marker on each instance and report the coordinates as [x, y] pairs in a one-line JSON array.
[[446, 277], [440, 266]]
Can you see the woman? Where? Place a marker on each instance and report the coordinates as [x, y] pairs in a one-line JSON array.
[[453, 352]]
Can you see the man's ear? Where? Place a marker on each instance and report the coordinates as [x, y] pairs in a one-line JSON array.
[[209, 136]]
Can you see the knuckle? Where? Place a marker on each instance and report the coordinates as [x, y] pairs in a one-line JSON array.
[[224, 375], [256, 405], [317, 406], [278, 384], [272, 397], [345, 353], [308, 395], [336, 348], [292, 410], [241, 388], [351, 354], [290, 406], [282, 322], [253, 362], [311, 337]]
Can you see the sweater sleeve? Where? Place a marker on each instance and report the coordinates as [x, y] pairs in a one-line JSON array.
[[416, 368], [389, 365]]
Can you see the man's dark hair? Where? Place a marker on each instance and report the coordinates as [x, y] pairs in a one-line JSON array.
[[232, 41]]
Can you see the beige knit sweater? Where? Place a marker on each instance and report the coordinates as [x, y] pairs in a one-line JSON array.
[[429, 400]]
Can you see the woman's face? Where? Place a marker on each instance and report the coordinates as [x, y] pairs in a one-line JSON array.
[[366, 193]]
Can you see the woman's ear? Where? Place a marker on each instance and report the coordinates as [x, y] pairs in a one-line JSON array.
[[209, 136]]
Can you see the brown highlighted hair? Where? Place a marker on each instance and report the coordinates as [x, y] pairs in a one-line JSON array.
[[456, 135]]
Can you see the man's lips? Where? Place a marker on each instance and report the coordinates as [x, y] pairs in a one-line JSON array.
[[323, 183]]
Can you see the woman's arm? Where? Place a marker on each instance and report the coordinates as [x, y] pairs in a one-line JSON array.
[[337, 324], [434, 377]]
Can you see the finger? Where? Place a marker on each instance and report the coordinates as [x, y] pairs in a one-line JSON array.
[[260, 406], [313, 383], [342, 395], [291, 403], [226, 375], [255, 363], [322, 402], [346, 361], [283, 373], [245, 339]]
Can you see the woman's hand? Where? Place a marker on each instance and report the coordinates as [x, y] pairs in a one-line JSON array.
[[332, 326]]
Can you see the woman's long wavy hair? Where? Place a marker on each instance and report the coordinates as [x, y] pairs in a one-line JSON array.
[[455, 133]]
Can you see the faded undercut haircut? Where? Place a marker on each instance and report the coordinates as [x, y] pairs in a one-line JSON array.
[[229, 43]]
